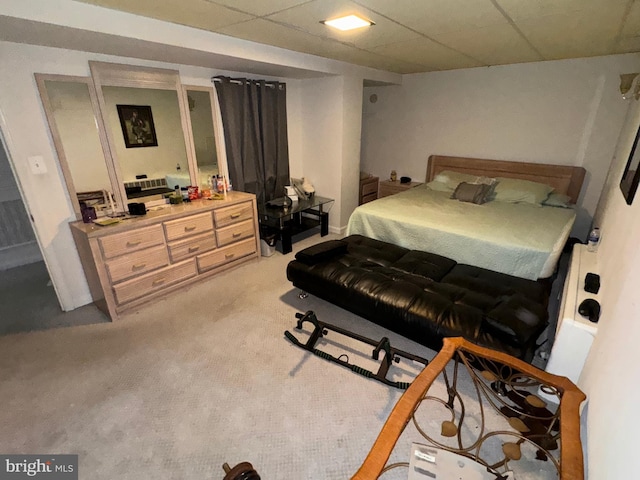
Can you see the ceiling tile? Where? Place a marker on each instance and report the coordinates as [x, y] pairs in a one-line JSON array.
[[423, 51], [628, 45], [437, 16], [193, 13], [519, 10], [562, 35], [632, 21], [378, 61], [477, 32], [307, 17], [265, 31], [496, 45], [259, 8], [259, 30]]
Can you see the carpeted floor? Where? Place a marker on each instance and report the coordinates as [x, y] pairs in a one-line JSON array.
[[28, 302], [200, 378]]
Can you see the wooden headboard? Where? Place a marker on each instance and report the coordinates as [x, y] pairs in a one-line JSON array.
[[563, 178]]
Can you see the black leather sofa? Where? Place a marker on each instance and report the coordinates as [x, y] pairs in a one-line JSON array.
[[424, 296]]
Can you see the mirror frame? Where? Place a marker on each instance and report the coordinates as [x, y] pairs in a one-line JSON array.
[[122, 75], [217, 128], [41, 79], [629, 186]]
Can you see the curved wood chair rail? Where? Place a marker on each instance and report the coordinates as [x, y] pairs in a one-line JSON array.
[[571, 459]]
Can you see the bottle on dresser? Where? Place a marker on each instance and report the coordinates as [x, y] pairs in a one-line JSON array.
[[594, 240]]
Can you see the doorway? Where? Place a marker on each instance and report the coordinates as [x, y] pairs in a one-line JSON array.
[[28, 300]]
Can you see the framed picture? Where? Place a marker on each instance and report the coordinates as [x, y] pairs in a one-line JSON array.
[[137, 126], [631, 176]]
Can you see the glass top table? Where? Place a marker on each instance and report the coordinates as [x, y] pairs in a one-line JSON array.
[[291, 219]]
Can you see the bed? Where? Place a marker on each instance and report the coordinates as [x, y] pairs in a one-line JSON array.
[[523, 237]]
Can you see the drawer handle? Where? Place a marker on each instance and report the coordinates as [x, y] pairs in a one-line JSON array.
[[237, 234], [139, 266], [189, 229], [235, 215], [133, 244], [229, 255], [158, 282], [193, 249]]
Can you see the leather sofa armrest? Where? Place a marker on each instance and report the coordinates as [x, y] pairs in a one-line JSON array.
[[321, 252]]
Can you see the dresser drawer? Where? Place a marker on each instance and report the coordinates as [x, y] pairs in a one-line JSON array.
[[228, 254], [234, 232], [183, 249], [370, 198], [237, 213], [131, 241], [191, 225], [137, 263], [369, 188], [146, 284]]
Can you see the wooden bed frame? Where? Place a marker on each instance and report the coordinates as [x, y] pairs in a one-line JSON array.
[[564, 179]]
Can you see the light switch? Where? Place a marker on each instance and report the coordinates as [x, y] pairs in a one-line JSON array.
[[37, 165]]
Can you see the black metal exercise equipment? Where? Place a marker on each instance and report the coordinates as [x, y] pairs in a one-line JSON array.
[[390, 354], [242, 471]]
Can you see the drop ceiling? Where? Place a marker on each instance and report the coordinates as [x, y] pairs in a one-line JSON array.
[[411, 36]]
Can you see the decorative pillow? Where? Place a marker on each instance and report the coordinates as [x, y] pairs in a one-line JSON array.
[[558, 200], [473, 193], [452, 179], [512, 190]]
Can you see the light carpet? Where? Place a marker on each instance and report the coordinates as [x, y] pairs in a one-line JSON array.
[[199, 378]]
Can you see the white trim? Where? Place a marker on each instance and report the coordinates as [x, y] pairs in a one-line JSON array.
[[65, 297]]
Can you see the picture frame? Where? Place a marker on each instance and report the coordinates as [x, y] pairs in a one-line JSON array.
[[137, 125], [631, 176]]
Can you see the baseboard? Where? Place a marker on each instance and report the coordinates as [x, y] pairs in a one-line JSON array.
[[18, 255]]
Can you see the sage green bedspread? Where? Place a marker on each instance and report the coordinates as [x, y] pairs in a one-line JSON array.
[[518, 239]]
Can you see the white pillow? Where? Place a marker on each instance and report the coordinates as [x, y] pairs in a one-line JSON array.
[[451, 180]]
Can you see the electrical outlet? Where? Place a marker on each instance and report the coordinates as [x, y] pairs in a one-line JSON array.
[[37, 165]]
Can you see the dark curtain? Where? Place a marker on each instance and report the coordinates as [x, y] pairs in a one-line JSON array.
[[254, 116]]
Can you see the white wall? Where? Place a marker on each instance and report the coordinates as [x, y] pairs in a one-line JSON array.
[[329, 149], [566, 112], [610, 376], [352, 136], [321, 139]]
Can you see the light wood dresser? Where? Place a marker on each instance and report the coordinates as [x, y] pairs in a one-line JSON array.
[[142, 258]]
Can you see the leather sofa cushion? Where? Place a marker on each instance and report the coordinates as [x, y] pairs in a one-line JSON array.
[[322, 251]]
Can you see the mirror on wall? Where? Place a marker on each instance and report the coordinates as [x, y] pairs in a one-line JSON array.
[[203, 132], [631, 175], [147, 128], [130, 134], [70, 106], [148, 140]]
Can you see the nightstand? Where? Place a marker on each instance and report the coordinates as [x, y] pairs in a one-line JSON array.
[[368, 189], [388, 187]]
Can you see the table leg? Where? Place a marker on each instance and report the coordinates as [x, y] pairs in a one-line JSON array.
[[324, 223], [285, 237]]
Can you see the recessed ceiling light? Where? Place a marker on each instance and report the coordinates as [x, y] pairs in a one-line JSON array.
[[348, 23]]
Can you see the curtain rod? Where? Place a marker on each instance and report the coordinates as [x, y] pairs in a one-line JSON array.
[[241, 82]]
